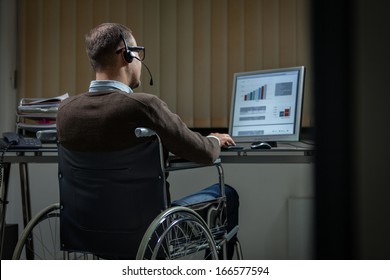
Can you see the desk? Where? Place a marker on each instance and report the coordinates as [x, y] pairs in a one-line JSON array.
[[282, 154]]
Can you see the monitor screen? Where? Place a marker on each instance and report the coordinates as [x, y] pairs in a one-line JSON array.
[[267, 105]]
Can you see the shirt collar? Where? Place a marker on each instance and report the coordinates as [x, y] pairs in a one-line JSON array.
[[100, 85]]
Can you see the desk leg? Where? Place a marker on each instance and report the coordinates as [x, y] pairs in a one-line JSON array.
[[26, 202], [25, 189], [3, 201]]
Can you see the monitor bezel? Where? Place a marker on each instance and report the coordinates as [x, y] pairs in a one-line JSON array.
[[294, 137]]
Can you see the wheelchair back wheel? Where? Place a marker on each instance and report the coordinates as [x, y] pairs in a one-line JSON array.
[[178, 233], [40, 239]]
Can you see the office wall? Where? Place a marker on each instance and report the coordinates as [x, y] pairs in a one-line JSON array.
[[192, 47]]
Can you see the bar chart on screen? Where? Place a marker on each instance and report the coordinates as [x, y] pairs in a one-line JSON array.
[[257, 94]]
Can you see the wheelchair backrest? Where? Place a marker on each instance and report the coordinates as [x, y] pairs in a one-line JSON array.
[[109, 199]]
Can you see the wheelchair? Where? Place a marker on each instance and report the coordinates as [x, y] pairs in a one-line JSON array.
[[132, 216]]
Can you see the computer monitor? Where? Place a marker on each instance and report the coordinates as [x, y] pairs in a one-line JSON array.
[[267, 105]]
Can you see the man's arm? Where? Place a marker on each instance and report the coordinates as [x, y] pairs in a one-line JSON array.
[[182, 141]]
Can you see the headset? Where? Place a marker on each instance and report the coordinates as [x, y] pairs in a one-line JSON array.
[[127, 54]]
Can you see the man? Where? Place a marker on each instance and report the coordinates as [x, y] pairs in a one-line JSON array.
[[104, 118]]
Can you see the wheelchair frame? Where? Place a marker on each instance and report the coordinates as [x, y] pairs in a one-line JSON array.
[[176, 233]]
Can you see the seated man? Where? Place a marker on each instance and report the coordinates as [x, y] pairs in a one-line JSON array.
[[104, 118]]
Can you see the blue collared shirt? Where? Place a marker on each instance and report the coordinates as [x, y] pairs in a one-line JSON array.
[[99, 85]]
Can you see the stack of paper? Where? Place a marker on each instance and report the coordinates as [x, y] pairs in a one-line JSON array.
[[37, 114]]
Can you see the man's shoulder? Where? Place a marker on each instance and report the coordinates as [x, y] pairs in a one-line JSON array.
[[145, 98], [68, 100], [126, 99], [141, 96]]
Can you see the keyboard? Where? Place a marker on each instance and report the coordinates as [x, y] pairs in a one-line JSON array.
[[232, 148]]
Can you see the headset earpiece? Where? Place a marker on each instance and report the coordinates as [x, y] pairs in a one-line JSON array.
[[127, 55]]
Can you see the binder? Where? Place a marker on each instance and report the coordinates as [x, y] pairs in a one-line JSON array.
[[38, 114]]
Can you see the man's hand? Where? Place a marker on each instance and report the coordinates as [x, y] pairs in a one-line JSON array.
[[224, 139]]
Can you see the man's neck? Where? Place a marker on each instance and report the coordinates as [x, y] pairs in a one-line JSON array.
[[109, 76]]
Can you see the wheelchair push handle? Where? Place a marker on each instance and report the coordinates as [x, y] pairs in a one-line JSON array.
[[144, 132]]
